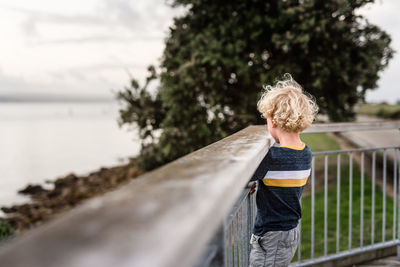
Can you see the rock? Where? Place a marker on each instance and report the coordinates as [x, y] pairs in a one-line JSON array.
[[53, 194], [9, 210], [19, 222], [66, 181], [32, 190]]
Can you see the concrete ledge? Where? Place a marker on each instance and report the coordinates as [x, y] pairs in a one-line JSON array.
[[360, 258], [355, 256]]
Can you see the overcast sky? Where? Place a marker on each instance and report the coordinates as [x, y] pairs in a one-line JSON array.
[[87, 47]]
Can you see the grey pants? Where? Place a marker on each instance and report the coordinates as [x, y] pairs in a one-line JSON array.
[[274, 248]]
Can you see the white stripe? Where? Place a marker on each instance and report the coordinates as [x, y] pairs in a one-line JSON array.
[[288, 174]]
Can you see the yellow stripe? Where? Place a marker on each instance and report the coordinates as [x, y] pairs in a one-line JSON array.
[[296, 147], [285, 182]]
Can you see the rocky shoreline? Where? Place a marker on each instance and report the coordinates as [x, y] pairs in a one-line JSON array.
[[68, 192]]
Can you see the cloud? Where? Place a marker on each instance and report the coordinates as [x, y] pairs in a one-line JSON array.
[[100, 39], [106, 65], [140, 16], [123, 13], [79, 76], [80, 73], [52, 17], [128, 20], [12, 83], [34, 17], [29, 27], [384, 14]]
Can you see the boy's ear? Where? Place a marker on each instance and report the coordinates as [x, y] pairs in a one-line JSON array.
[[273, 124]]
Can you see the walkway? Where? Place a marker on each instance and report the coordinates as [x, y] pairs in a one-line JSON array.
[[373, 138]]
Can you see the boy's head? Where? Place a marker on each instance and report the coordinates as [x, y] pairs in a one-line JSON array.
[[288, 107]]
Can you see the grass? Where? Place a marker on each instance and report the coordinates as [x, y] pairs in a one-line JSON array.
[[322, 142], [386, 111]]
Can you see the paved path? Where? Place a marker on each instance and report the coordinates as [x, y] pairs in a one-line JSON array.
[[374, 138]]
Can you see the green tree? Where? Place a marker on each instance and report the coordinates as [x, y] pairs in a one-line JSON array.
[[219, 54]]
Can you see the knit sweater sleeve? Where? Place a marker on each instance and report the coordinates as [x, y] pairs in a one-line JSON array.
[[262, 169]]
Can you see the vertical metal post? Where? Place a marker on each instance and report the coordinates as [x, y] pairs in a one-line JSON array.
[[227, 244], [398, 211], [312, 205], [234, 244], [249, 223], [241, 236], [222, 256], [245, 232], [254, 208], [299, 246], [373, 199], [230, 258], [362, 202], [384, 198], [326, 206], [394, 192], [248, 228], [350, 197], [238, 240], [338, 206]]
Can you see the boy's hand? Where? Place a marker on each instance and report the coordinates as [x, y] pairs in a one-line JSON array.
[[253, 188]]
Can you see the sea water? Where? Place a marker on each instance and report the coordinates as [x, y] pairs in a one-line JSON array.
[[42, 141]]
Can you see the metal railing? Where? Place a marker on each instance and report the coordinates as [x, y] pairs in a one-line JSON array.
[[347, 177], [195, 211], [237, 228], [340, 171], [231, 246]]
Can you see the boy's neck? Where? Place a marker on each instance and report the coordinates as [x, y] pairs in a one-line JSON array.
[[289, 139]]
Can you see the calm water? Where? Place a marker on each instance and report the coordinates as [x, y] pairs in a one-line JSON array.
[[44, 141]]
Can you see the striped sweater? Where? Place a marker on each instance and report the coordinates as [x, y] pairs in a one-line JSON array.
[[281, 176]]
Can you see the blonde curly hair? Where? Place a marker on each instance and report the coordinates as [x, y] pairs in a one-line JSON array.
[[291, 108]]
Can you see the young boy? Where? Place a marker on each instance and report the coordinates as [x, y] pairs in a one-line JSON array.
[[282, 174]]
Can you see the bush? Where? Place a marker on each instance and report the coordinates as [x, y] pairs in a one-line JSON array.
[[388, 114], [381, 113], [6, 231], [395, 114]]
